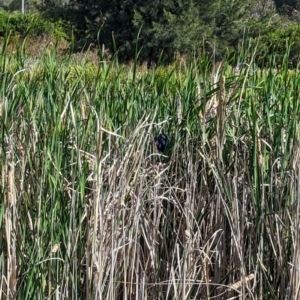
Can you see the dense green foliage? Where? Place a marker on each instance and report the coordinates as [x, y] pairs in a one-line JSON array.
[[162, 26], [165, 30], [33, 24], [273, 39], [162, 30]]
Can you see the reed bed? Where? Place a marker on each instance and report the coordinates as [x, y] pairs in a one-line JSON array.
[[91, 210]]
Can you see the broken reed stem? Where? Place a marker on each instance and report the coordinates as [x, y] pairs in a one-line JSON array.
[[237, 285]]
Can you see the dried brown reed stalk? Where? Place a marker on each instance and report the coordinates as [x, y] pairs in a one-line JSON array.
[[198, 97], [221, 116], [259, 150], [213, 103], [179, 108], [295, 271], [117, 187], [180, 60], [10, 220], [11, 196]]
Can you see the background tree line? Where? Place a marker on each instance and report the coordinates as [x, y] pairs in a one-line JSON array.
[[169, 27]]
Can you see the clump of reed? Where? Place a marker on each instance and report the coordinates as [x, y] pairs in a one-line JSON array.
[[91, 210]]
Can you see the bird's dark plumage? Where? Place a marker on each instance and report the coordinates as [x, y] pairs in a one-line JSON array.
[[160, 142]]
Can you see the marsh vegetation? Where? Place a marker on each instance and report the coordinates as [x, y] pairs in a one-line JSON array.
[[90, 210]]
